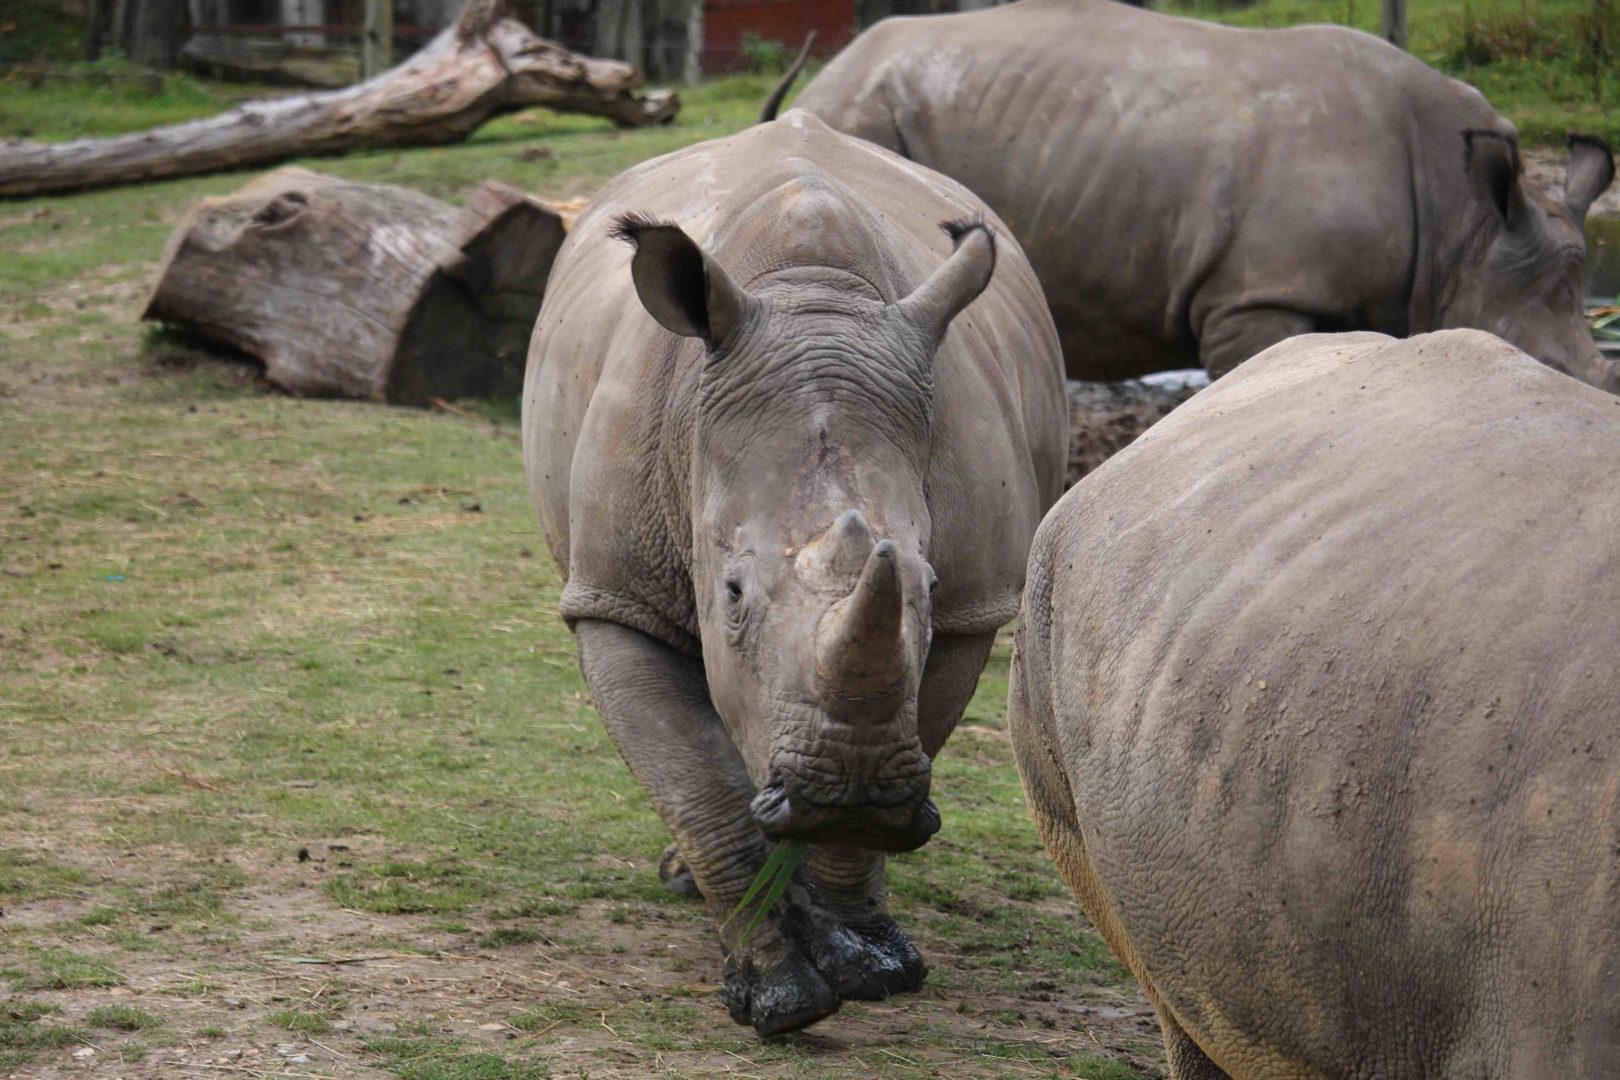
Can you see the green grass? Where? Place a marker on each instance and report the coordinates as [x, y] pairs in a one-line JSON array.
[[109, 97], [428, 1056], [62, 969], [236, 626], [1533, 59], [301, 1021], [121, 1018], [23, 1036]]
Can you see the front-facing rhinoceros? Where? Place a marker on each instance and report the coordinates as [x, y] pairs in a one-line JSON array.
[[1191, 194], [790, 450], [1316, 705]]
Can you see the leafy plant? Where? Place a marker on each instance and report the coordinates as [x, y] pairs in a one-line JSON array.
[[772, 880], [765, 56]]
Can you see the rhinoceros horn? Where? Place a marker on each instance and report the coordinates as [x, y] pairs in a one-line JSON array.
[[859, 647]]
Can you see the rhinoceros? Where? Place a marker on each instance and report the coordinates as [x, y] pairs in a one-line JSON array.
[[1315, 703], [789, 441], [1191, 194]]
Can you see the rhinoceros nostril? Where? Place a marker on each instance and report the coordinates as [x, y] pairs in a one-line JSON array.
[[770, 807]]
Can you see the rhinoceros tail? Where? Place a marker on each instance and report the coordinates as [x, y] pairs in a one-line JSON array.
[[767, 112]]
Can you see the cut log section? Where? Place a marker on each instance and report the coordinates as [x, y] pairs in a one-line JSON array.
[[362, 290], [1105, 418], [487, 63]]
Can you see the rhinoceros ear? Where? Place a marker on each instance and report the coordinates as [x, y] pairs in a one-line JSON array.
[[956, 284], [1590, 172], [1493, 170], [679, 285]]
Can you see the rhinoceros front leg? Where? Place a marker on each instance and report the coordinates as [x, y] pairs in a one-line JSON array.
[[655, 704], [1231, 335], [853, 880]]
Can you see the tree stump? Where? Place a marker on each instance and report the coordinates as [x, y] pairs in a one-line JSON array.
[[362, 290], [487, 63], [1105, 418]]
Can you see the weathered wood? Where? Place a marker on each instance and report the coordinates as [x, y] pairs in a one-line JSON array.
[[361, 290], [1105, 418], [270, 59], [487, 63]]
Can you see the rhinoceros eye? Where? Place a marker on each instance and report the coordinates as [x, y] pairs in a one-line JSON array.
[[733, 590]]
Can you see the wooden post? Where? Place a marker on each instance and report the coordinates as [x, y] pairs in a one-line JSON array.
[[118, 25], [154, 34], [1392, 22], [93, 12], [173, 15], [692, 69], [377, 47]]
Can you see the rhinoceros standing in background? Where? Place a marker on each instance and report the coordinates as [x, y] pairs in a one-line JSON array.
[[1316, 705], [790, 453], [1191, 194]]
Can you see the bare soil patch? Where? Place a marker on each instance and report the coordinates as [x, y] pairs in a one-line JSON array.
[[585, 993]]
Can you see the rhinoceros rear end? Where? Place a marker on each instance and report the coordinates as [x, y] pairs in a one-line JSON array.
[[1315, 700]]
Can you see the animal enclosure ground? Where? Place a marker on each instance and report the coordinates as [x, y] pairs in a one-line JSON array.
[[297, 775]]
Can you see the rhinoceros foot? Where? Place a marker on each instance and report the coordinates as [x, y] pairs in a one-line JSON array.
[[676, 874], [804, 960], [859, 964], [903, 965], [775, 989]]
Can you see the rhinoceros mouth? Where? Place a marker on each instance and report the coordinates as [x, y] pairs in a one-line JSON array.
[[902, 826]]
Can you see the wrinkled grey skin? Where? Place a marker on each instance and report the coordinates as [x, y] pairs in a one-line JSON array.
[[790, 449], [1315, 702], [1191, 194]]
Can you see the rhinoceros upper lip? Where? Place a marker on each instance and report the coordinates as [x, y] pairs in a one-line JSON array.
[[779, 818]]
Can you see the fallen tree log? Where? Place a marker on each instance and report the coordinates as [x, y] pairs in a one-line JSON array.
[[270, 59], [487, 63], [364, 290], [1105, 418]]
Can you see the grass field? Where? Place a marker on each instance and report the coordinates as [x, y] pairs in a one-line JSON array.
[[297, 775]]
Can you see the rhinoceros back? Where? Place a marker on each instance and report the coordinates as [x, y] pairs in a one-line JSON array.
[[1160, 171], [1326, 664]]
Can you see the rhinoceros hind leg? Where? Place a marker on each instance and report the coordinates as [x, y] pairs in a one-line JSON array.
[[1186, 1060], [676, 875], [1230, 336]]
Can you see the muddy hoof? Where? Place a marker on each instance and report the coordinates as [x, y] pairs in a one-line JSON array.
[[777, 994], [860, 965], [676, 875], [903, 967]]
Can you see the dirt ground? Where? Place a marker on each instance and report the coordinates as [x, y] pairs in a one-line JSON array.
[[603, 999]]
